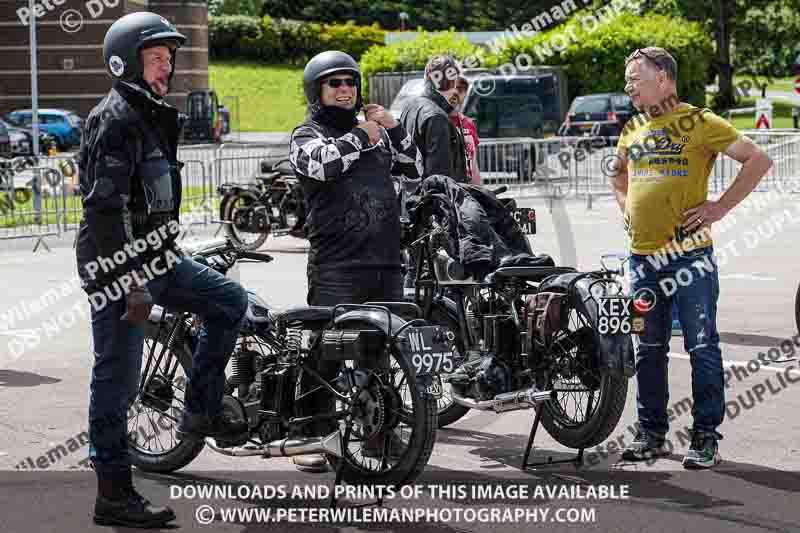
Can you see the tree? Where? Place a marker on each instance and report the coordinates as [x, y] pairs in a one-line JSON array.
[[719, 18]]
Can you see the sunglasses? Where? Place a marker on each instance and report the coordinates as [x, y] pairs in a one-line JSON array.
[[337, 82], [639, 52]]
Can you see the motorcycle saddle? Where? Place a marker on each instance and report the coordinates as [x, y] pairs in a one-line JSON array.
[[531, 267], [531, 273], [305, 314]]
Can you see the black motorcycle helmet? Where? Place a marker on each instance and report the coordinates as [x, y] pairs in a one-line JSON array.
[[327, 63], [127, 37]]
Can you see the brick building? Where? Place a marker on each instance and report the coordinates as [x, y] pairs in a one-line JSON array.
[[70, 50]]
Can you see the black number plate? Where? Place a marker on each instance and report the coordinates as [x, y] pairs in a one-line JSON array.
[[615, 315], [526, 218], [429, 349]]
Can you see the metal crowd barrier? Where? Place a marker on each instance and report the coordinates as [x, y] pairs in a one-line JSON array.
[[506, 161], [33, 200], [42, 199]]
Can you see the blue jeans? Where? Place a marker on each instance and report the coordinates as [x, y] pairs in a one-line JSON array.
[[691, 281], [118, 347]]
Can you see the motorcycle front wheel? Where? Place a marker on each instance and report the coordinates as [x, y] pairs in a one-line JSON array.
[[157, 409]]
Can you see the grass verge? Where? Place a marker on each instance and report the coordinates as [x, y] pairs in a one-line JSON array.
[[270, 97]]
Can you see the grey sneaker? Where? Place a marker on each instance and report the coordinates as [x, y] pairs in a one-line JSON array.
[[645, 446], [704, 451]]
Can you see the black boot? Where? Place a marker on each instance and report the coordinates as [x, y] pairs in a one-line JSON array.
[[198, 426], [118, 503]]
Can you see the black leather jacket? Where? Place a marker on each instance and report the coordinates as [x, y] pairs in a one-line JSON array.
[[427, 119], [130, 183], [353, 216]]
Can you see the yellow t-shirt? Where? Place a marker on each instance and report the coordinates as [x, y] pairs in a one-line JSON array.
[[669, 160]]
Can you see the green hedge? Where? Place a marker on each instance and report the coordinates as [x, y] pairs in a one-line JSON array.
[[286, 41], [595, 60], [413, 55]]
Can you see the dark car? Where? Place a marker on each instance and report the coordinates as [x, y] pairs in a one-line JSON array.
[[21, 140], [796, 66], [204, 119], [5, 142], [598, 115], [524, 105]]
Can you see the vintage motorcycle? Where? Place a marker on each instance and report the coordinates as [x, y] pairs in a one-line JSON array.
[[379, 384], [543, 337], [274, 204]]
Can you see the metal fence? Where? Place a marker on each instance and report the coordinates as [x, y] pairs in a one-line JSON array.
[[581, 166], [40, 198], [385, 86]]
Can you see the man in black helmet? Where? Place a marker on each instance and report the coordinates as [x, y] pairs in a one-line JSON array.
[[345, 167], [127, 259]]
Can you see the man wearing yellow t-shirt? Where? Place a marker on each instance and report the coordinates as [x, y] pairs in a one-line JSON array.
[[660, 179]]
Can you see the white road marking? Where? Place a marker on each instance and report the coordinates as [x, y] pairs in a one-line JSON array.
[[729, 364], [747, 277]]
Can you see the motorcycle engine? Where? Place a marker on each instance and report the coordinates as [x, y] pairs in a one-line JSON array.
[[482, 379], [254, 220]]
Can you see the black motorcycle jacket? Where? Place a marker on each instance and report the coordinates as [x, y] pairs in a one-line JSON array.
[[353, 218], [426, 118], [130, 185]]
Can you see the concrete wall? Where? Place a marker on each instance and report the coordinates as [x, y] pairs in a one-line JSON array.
[[70, 45]]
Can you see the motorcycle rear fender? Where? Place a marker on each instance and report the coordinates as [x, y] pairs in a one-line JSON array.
[[615, 351], [377, 318]]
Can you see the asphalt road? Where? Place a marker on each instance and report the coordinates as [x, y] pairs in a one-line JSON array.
[[44, 399]]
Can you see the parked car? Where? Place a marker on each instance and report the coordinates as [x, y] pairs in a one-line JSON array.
[[63, 125], [204, 119], [21, 140], [598, 115], [5, 142], [526, 105], [796, 66], [225, 117]]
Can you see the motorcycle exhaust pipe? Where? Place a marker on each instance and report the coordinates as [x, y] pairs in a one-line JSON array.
[[331, 444], [509, 401]]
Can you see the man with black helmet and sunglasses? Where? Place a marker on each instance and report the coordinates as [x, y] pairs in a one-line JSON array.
[[127, 259], [345, 167]]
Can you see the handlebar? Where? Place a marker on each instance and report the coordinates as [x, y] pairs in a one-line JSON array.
[[500, 190]]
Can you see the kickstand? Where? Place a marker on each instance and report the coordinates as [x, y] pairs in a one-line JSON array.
[[577, 460], [340, 469]]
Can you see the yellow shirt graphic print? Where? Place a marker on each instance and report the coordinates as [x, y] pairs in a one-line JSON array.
[[669, 160]]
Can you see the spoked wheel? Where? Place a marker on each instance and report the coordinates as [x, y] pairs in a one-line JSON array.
[[156, 412], [394, 431], [589, 402], [239, 210]]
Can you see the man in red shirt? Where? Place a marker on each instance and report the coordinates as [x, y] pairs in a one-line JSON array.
[[468, 129]]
